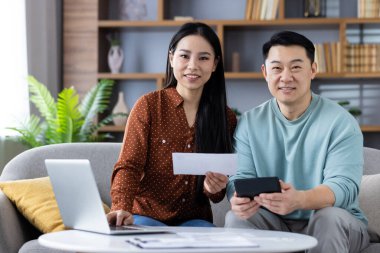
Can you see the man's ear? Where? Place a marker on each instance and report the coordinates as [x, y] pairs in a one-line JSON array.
[[264, 71], [314, 69]]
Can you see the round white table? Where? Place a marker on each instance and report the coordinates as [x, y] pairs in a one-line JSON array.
[[268, 241]]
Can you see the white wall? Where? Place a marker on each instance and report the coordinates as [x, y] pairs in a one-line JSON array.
[[43, 19]]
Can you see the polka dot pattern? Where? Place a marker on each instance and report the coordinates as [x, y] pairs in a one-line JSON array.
[[143, 181]]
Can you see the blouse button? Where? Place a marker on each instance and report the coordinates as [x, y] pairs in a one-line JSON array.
[[188, 145], [186, 182], [183, 200], [164, 141]]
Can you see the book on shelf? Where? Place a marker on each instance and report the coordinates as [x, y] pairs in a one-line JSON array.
[[328, 57], [248, 9], [364, 58], [368, 8], [261, 9], [334, 57], [327, 51]]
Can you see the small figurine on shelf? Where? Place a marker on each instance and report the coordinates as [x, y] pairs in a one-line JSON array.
[[235, 62], [133, 9], [314, 8], [115, 54]]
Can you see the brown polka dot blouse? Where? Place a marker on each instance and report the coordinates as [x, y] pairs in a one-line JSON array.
[[142, 181]]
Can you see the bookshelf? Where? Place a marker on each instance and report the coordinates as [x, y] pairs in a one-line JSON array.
[[236, 32]]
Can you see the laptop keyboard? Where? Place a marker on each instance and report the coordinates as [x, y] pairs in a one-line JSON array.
[[123, 228]]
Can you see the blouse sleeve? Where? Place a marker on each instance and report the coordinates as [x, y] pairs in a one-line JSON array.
[[128, 170]]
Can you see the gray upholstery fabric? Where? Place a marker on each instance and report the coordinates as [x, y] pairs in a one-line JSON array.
[[17, 235], [30, 164], [372, 248], [14, 229], [371, 161]]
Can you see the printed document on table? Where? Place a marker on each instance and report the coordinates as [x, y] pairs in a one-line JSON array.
[[194, 240], [200, 163]]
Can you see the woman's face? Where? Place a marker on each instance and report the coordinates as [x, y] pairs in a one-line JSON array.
[[193, 62]]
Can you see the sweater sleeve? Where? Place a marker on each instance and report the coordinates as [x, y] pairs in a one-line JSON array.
[[246, 167], [344, 166]]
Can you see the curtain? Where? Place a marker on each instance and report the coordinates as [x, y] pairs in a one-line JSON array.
[[14, 100], [14, 105]]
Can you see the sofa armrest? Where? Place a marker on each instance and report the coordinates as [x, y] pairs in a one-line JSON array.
[[12, 227]]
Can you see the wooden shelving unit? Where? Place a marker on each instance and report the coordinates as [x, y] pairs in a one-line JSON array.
[[370, 129], [222, 25], [97, 22]]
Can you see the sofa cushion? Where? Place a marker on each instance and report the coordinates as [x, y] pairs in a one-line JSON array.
[[370, 204], [35, 199]]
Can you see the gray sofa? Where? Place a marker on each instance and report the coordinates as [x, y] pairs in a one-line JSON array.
[[17, 235]]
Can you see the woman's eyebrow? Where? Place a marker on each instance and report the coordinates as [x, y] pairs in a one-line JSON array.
[[200, 53]]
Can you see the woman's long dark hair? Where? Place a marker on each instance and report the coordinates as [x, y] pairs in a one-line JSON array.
[[212, 134]]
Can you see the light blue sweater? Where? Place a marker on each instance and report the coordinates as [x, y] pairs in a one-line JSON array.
[[323, 146]]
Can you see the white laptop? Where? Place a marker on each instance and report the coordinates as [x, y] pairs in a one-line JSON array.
[[79, 201]]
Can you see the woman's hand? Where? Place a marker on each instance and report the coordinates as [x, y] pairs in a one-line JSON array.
[[120, 218], [243, 207], [215, 182]]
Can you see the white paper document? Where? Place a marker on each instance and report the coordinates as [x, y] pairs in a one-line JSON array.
[[200, 163], [193, 240]]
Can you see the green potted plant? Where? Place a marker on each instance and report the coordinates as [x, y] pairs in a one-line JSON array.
[[354, 111], [68, 119]]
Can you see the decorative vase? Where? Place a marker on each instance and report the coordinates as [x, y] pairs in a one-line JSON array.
[[115, 58], [133, 9], [122, 107]]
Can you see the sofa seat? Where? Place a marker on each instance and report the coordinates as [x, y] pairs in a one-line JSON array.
[[17, 235]]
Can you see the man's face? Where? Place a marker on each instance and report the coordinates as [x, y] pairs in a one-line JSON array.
[[288, 73]]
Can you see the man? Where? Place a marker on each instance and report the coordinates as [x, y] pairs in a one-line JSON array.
[[312, 144]]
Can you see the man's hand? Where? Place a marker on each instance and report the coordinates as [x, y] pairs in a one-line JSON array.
[[243, 207], [120, 218], [215, 182], [282, 203]]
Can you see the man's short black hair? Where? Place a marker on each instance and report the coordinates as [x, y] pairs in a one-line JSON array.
[[289, 38]]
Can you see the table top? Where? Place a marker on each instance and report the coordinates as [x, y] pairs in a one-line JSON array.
[[268, 241]]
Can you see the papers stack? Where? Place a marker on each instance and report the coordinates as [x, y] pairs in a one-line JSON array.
[[193, 240]]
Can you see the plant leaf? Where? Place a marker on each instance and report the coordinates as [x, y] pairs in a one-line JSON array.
[[30, 132], [42, 99], [96, 101], [69, 118], [107, 120]]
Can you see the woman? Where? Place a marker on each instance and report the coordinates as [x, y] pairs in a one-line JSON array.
[[189, 115]]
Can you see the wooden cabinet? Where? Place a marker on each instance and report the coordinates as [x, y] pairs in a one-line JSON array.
[[145, 43]]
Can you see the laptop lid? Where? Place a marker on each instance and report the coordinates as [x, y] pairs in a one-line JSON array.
[[78, 198]]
